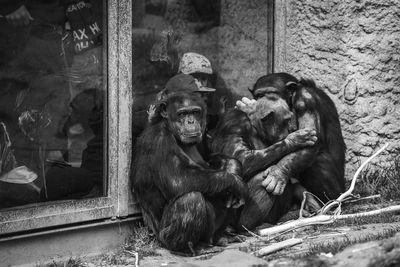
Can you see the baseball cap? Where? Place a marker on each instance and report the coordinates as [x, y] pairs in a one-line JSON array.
[[185, 82], [192, 63]]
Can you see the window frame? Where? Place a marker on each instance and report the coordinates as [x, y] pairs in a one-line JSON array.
[[279, 46], [117, 65]]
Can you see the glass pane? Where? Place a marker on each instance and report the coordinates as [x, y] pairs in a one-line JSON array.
[[51, 101], [235, 36]]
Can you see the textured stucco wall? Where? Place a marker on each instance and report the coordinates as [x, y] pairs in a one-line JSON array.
[[237, 47], [243, 43], [352, 50]]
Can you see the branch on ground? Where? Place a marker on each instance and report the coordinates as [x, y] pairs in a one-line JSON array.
[[323, 217]]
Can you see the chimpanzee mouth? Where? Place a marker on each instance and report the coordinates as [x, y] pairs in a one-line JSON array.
[[190, 135]]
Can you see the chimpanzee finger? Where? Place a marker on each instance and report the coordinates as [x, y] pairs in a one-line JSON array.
[[270, 186], [265, 173], [246, 100], [240, 104], [278, 189], [309, 143], [266, 181], [238, 203]]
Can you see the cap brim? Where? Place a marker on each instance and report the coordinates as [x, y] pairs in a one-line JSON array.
[[206, 89]]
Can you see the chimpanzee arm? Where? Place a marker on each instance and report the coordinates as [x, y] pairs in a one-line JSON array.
[[179, 176], [290, 165], [300, 160], [161, 163], [234, 138], [255, 160]]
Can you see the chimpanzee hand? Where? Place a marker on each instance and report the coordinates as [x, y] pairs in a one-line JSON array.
[[238, 187], [246, 105], [301, 138], [234, 203], [151, 113], [275, 180], [233, 168], [239, 191]]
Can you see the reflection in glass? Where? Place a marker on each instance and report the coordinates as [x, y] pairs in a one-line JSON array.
[[232, 34], [51, 101]]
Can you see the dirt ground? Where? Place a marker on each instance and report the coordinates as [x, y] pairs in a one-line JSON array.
[[363, 253], [370, 241]]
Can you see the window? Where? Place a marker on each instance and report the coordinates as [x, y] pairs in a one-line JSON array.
[[65, 86], [235, 36], [57, 77]]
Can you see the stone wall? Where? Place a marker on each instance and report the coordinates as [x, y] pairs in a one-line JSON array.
[[352, 50]]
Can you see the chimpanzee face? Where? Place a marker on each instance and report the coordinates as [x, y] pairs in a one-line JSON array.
[[274, 83], [186, 117], [272, 118]]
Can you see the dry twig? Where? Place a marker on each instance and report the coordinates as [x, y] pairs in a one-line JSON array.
[[135, 254], [340, 199], [278, 246], [322, 217]]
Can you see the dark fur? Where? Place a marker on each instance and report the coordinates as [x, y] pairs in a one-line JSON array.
[[182, 200], [325, 176], [235, 136], [320, 168]]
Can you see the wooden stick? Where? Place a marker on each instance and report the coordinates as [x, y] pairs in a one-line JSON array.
[[278, 246], [364, 198], [135, 254], [369, 213], [320, 219], [328, 207], [353, 182], [323, 219]]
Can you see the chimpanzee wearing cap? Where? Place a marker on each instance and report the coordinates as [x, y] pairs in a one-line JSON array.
[[185, 200], [199, 67]]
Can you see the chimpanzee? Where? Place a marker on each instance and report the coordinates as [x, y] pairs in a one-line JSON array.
[[181, 196], [258, 141], [320, 168]]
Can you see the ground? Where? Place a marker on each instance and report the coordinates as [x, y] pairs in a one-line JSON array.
[[369, 241], [360, 241]]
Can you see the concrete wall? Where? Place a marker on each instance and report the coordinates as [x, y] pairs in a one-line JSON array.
[[352, 50]]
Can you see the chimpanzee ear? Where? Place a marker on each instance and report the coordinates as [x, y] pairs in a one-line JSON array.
[[291, 86]]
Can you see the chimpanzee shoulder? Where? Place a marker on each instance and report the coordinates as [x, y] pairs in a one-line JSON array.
[[154, 140], [320, 102]]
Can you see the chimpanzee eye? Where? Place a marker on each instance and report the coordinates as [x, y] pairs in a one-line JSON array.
[[196, 112], [256, 96], [181, 114]]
